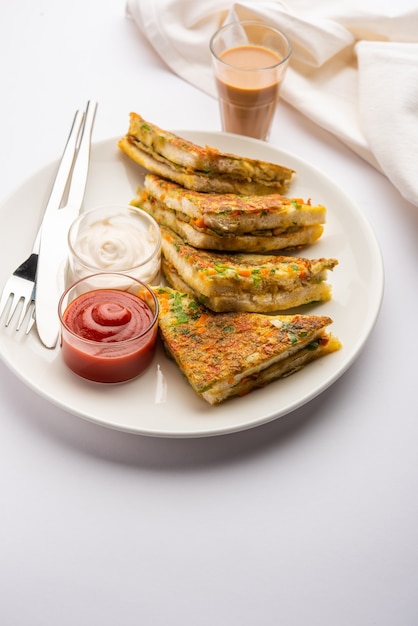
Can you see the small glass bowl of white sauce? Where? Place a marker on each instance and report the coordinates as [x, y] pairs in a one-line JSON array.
[[119, 239]]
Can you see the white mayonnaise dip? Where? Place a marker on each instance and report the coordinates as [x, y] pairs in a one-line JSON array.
[[117, 242]]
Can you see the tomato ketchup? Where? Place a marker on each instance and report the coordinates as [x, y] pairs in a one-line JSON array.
[[109, 335]]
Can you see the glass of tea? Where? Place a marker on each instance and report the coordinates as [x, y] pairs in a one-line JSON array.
[[250, 60]]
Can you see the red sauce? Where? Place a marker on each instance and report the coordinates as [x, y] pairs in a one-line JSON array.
[[108, 335]]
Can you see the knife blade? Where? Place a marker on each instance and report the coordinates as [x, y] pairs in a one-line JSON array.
[[53, 247]]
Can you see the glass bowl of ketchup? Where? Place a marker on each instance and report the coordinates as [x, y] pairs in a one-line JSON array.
[[109, 327]]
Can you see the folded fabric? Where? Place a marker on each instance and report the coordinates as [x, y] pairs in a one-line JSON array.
[[353, 71]]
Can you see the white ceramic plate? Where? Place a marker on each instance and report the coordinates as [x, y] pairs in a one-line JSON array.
[[161, 403]]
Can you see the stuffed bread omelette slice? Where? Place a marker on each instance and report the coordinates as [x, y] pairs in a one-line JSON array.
[[198, 235], [230, 221], [256, 283], [229, 354], [234, 213], [203, 168]]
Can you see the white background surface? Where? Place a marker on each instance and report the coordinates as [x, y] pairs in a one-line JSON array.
[[311, 519]]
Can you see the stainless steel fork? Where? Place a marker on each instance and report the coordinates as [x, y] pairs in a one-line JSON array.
[[20, 286]]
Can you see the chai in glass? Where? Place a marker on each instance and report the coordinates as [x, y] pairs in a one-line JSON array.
[[250, 61]]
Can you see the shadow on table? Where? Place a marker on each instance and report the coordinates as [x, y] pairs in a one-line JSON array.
[[76, 435]]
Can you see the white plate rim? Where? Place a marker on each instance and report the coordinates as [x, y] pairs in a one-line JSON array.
[[171, 394]]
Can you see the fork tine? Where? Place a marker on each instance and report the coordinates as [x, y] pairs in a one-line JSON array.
[[21, 293], [31, 309], [25, 309], [13, 307], [31, 319], [4, 299]]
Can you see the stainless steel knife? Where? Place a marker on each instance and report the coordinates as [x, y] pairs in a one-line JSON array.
[[53, 247]]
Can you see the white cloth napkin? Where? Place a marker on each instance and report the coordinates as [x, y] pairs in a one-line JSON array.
[[353, 71]]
